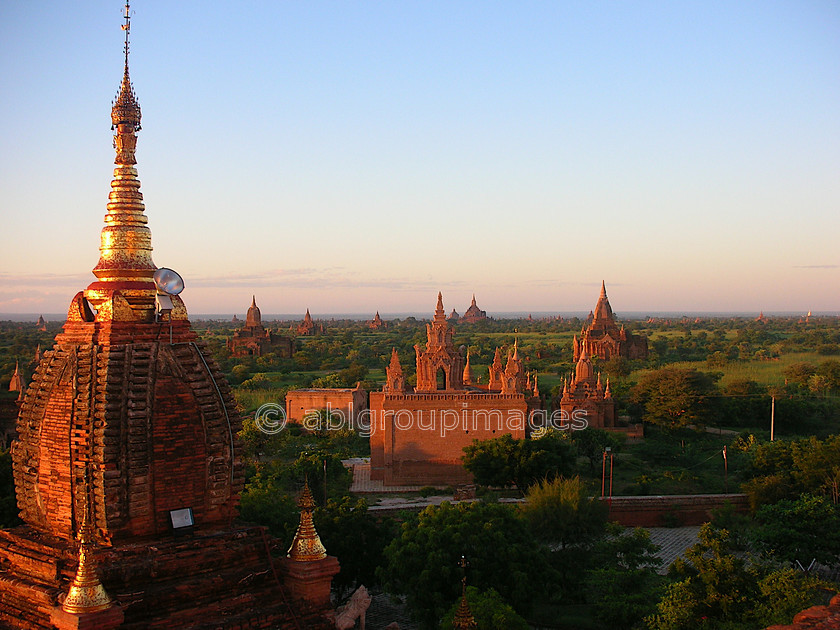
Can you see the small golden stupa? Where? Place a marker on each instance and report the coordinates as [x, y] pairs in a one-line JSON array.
[[306, 546], [86, 595]]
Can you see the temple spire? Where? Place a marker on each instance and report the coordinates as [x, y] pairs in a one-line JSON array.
[[468, 377], [16, 384], [463, 619], [306, 546], [439, 312], [125, 262], [603, 290]]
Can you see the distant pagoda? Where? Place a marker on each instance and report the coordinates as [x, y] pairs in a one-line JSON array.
[[603, 338]]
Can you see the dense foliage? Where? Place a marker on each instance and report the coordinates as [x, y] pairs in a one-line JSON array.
[[563, 512], [489, 611], [506, 461], [674, 397], [623, 584], [422, 562], [722, 589]]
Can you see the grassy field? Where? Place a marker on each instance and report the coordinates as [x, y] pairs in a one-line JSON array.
[[762, 372]]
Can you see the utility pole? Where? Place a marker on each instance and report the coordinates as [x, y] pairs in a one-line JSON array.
[[607, 451], [772, 416], [725, 470]]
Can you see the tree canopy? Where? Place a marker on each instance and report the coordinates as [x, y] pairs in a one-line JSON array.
[[674, 397], [561, 512], [422, 562], [489, 611], [801, 529], [506, 461], [725, 590]]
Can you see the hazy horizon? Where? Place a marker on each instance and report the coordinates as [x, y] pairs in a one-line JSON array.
[[502, 315], [353, 158]]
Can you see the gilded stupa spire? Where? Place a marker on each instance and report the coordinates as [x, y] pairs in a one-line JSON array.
[[306, 546], [125, 263]]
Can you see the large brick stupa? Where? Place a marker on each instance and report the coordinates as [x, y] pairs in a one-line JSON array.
[[128, 430]]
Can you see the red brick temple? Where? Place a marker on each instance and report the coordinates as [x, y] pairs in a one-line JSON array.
[[308, 327], [585, 395], [254, 340], [377, 323], [417, 437], [603, 338], [473, 314], [127, 465]]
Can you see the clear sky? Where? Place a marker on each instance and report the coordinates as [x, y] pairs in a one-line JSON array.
[[355, 156]]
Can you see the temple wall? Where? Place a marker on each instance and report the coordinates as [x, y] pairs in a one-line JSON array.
[[419, 438]]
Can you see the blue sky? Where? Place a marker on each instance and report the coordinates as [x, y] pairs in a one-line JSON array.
[[349, 157]]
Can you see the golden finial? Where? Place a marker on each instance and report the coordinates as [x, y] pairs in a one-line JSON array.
[[127, 28], [126, 110], [306, 546], [125, 262], [86, 595]]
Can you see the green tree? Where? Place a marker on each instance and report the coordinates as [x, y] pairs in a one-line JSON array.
[[623, 585], [674, 397], [830, 370], [314, 465], [724, 590], [592, 442], [422, 562], [712, 583], [801, 529], [782, 594], [560, 511], [506, 461], [266, 501], [353, 535], [330, 381], [786, 469], [799, 373], [489, 610]]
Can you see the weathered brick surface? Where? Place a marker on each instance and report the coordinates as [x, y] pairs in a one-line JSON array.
[[669, 510], [816, 618], [348, 402], [419, 438], [141, 426], [222, 579], [155, 419]]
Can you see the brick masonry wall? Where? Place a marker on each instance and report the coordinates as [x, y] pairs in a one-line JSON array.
[[671, 511], [156, 422], [350, 402], [419, 438]]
